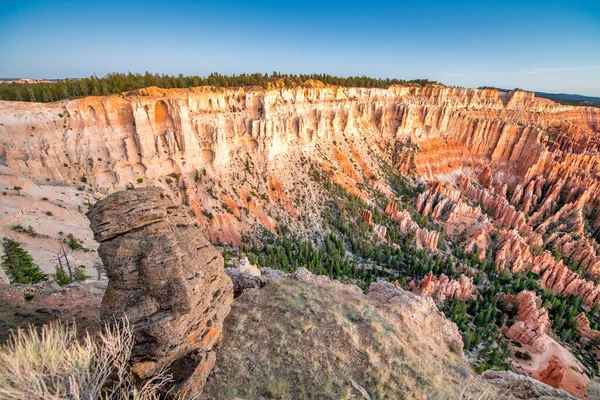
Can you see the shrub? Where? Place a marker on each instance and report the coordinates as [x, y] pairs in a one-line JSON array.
[[49, 213], [73, 242], [28, 296], [140, 180], [523, 355], [18, 228], [55, 364], [83, 179], [29, 231]]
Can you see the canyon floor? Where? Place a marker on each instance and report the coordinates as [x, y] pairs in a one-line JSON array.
[[485, 201]]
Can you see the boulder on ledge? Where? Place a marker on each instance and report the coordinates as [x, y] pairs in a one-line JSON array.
[[167, 279]]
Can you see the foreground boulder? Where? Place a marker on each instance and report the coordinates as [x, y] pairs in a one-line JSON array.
[[515, 386], [167, 279], [303, 336]]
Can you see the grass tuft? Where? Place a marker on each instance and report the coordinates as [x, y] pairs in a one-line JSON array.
[[54, 363]]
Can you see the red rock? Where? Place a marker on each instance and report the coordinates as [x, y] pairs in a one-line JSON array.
[[424, 237], [367, 217], [583, 329], [554, 373], [443, 288], [531, 320]]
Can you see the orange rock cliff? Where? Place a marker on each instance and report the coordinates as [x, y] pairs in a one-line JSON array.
[[528, 165], [512, 178]]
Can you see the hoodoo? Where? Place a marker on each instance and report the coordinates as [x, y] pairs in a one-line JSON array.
[[167, 279]]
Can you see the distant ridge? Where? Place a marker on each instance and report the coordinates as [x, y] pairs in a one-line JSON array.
[[562, 98], [571, 99]]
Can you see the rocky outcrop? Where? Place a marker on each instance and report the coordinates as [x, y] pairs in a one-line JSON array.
[[431, 322], [531, 320], [515, 253], [583, 329], [443, 288], [425, 238], [244, 265], [515, 386], [380, 231], [367, 217], [554, 373], [167, 279]]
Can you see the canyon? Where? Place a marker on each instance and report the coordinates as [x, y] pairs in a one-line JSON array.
[[507, 180]]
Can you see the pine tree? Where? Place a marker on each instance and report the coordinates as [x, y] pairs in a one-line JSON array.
[[61, 277], [18, 264], [79, 275]]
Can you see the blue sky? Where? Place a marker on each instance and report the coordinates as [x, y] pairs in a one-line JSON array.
[[538, 45]]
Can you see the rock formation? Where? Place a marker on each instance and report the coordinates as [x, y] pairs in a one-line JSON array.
[[583, 329], [367, 217], [425, 238], [429, 324], [554, 372], [245, 266], [515, 386], [531, 320], [443, 288], [167, 279]]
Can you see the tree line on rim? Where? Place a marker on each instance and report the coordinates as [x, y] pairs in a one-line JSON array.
[[119, 82]]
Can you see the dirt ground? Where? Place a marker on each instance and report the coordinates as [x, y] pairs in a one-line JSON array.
[[573, 382], [76, 302]]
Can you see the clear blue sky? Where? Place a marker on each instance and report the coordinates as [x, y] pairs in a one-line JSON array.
[[538, 45]]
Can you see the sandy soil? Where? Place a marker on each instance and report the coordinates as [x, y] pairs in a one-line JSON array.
[[53, 212], [574, 382]]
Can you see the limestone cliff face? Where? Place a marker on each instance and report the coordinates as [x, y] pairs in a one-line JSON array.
[[504, 162], [114, 140]]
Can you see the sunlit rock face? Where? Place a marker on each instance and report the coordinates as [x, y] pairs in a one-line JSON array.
[[505, 162]]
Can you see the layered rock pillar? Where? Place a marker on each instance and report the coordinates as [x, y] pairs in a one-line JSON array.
[[167, 279]]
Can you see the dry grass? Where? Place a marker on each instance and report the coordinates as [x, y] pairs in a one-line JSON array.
[[593, 391], [293, 340], [55, 364]]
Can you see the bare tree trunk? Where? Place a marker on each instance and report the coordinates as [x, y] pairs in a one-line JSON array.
[[67, 261], [99, 268]]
